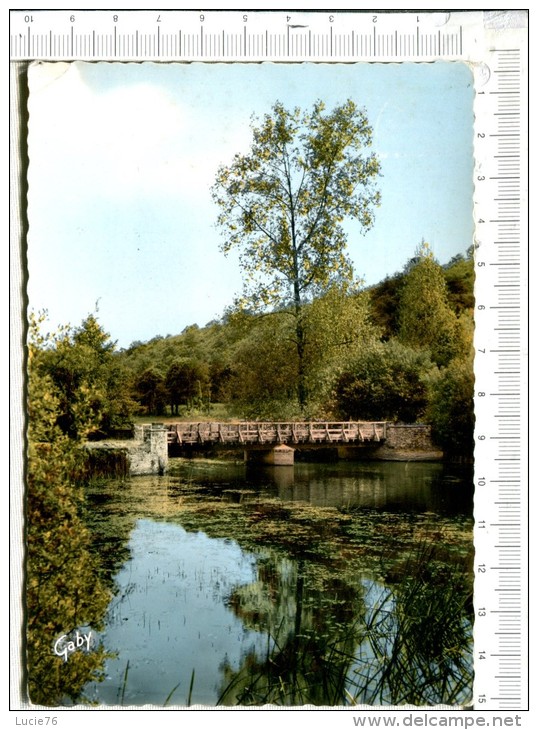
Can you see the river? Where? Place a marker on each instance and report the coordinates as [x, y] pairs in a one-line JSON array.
[[327, 584]]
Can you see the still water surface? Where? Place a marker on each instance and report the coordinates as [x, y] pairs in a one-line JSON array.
[[215, 586]]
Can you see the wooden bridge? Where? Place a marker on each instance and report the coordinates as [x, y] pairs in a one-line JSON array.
[[252, 434]]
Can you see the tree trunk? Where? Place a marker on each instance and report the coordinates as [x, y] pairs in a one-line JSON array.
[[300, 343], [301, 375], [299, 335]]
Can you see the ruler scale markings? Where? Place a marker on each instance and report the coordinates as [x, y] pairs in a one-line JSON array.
[[507, 167]]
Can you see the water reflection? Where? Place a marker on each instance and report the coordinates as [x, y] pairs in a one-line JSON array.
[[170, 617], [413, 486], [313, 618], [226, 597]]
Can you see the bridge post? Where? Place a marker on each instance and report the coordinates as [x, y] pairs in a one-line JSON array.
[[280, 455]]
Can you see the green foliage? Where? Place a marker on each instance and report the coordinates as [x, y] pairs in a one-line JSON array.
[[283, 204], [425, 317], [429, 311], [385, 297], [187, 383], [151, 391], [385, 304], [386, 381], [209, 347], [451, 407], [90, 383], [265, 370], [460, 278], [220, 374], [63, 588], [338, 329]]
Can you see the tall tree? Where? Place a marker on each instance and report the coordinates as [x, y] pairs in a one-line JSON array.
[[64, 589], [151, 391], [92, 388], [187, 383], [426, 319], [284, 202]]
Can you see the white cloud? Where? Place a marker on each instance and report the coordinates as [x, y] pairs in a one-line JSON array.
[[131, 139]]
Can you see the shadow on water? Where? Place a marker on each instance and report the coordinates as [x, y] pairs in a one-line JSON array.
[[329, 584], [411, 486]]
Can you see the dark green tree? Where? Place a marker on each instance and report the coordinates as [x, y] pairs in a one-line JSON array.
[[451, 407], [460, 278], [386, 382], [187, 383], [385, 303], [151, 391], [220, 373], [284, 203]]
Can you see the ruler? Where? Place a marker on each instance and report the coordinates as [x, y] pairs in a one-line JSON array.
[[231, 35], [496, 48], [501, 445]]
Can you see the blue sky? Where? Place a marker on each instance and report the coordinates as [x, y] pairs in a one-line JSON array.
[[122, 157]]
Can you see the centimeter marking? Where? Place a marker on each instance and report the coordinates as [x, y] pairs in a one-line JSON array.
[[240, 35], [501, 502]]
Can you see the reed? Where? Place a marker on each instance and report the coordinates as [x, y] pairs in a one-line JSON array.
[[167, 700], [124, 684], [412, 646], [189, 698]]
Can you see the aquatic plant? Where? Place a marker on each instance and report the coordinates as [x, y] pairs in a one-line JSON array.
[[413, 645], [417, 640], [351, 605]]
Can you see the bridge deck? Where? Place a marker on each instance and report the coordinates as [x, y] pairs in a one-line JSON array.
[[271, 434]]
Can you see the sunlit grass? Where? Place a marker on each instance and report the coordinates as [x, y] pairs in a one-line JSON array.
[[221, 412]]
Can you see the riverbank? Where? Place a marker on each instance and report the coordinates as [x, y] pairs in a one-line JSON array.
[[148, 452], [144, 454]]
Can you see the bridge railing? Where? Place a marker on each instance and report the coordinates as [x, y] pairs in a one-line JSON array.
[[272, 433]]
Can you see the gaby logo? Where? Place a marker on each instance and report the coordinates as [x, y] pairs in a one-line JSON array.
[[66, 644]]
